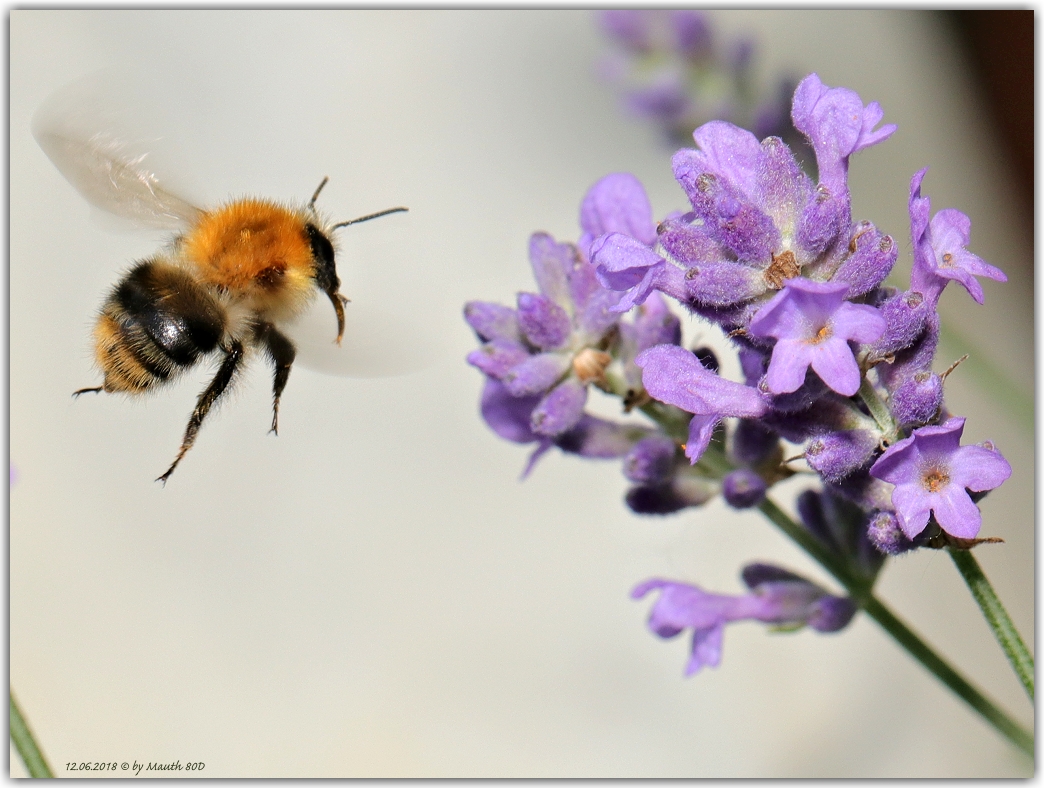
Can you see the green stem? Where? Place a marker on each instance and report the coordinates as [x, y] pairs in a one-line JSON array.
[[907, 638], [996, 616], [946, 674], [26, 745], [878, 409]]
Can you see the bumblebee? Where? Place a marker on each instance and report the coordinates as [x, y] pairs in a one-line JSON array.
[[225, 283]]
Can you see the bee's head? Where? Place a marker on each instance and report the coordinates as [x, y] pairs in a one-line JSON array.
[[322, 246], [319, 236]]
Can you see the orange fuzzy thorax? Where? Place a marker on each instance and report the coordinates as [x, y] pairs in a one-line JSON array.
[[253, 249]]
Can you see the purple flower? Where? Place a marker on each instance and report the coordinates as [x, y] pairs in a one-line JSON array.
[[933, 473], [838, 125], [625, 264], [939, 249], [616, 204], [674, 375], [813, 324], [777, 597]]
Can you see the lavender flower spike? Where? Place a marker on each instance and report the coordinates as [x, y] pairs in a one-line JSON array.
[[674, 375], [813, 324], [777, 597], [933, 473]]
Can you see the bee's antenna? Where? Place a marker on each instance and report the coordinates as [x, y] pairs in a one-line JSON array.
[[367, 218], [311, 203]]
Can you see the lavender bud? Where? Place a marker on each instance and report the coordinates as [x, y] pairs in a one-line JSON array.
[[832, 613], [905, 314], [886, 535], [752, 443], [659, 499], [560, 410], [917, 399], [687, 243], [811, 390], [821, 222], [872, 258], [492, 321], [810, 511], [837, 455], [650, 461], [743, 488], [724, 284], [545, 324]]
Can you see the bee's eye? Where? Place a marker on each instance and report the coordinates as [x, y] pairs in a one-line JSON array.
[[323, 252]]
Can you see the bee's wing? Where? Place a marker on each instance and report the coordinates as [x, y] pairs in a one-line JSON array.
[[81, 136]]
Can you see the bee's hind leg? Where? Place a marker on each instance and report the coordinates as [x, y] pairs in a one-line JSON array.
[[282, 353], [210, 395], [94, 389]]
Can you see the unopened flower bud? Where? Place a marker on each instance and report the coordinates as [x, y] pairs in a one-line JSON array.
[[837, 455], [545, 324], [872, 258], [752, 443], [905, 314], [651, 460], [886, 535], [743, 488], [725, 283], [917, 399]]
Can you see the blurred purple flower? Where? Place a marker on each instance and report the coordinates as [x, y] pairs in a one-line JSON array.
[[777, 597]]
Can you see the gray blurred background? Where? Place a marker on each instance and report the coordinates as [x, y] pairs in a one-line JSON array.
[[374, 592]]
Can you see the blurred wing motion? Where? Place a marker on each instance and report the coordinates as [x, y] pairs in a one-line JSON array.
[[77, 134]]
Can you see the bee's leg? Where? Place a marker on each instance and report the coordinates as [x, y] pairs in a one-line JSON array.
[[282, 352], [210, 395], [95, 389]]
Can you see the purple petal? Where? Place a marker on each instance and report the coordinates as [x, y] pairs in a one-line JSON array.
[[618, 204], [701, 430], [552, 262], [622, 263], [788, 366], [978, 468], [706, 648], [674, 375], [858, 323], [730, 153], [956, 513], [506, 415], [498, 357], [836, 366]]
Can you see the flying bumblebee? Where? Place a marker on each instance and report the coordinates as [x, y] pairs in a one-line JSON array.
[[223, 285]]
